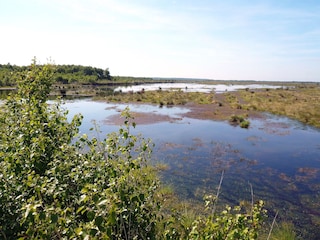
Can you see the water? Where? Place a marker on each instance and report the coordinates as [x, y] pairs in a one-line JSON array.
[[192, 87], [278, 157]]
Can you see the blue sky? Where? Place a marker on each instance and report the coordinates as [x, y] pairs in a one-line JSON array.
[[225, 39]]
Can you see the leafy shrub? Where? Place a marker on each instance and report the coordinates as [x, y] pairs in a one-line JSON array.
[[52, 188], [231, 223]]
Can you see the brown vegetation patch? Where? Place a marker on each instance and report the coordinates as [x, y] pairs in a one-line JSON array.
[[285, 177], [215, 112], [275, 128], [169, 145], [141, 118], [306, 174]]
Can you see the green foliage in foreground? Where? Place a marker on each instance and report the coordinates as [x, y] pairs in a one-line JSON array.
[[286, 231], [55, 187]]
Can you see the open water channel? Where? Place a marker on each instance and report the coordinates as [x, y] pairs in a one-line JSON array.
[[278, 157]]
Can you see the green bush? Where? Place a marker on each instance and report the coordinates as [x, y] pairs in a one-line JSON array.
[[231, 223], [52, 188]]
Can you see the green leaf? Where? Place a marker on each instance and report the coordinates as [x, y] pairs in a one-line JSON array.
[[78, 231], [81, 209], [54, 218], [93, 232], [90, 215], [98, 221], [141, 196], [112, 218], [103, 202]]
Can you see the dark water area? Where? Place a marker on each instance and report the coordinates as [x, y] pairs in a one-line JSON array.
[[278, 157]]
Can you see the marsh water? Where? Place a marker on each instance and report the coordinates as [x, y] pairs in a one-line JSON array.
[[278, 157], [192, 87]]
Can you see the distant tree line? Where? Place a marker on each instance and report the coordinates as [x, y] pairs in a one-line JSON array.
[[64, 74], [8, 73], [81, 74]]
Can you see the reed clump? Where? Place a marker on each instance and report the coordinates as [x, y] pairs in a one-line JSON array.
[[163, 98], [300, 103]]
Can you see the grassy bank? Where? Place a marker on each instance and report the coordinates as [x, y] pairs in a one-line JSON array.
[[299, 101]]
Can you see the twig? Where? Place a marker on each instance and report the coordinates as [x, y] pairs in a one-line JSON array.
[[273, 222], [251, 189], [3, 234], [218, 192]]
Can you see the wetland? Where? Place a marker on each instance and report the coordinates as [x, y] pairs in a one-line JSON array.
[[277, 156]]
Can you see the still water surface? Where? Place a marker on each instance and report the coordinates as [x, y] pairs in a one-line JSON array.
[[193, 87], [278, 157]]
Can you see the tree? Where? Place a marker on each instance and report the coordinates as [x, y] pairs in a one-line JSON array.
[[54, 187], [106, 74]]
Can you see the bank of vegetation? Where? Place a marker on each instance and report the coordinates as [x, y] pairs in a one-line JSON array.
[[160, 97], [299, 101]]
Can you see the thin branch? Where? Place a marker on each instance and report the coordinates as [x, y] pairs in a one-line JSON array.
[[3, 234], [252, 203], [218, 192], [273, 222]]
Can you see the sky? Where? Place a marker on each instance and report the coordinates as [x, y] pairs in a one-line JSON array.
[[273, 40]]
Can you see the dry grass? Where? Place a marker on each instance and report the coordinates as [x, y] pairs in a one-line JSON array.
[[298, 103], [163, 97], [301, 102]]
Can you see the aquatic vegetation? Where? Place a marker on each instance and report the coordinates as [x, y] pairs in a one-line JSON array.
[[305, 174], [239, 120]]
